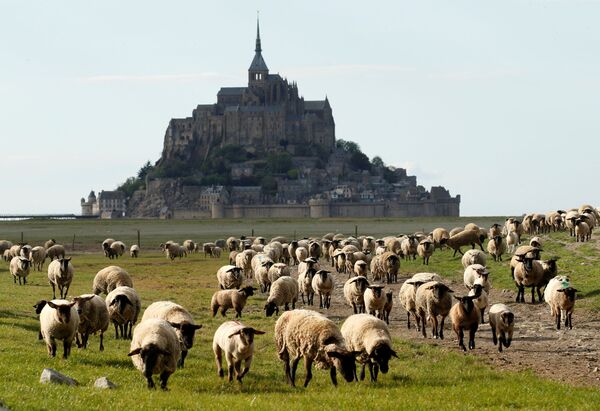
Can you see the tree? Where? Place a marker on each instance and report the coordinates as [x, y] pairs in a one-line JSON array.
[[348, 146], [377, 162], [143, 172], [359, 161]]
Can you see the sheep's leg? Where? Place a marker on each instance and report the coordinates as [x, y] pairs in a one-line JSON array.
[[130, 327], [238, 313], [482, 312], [52, 348], [434, 326], [67, 290], [302, 295], [423, 328], [101, 341], [247, 364], [284, 356], [164, 378], [362, 372], [333, 375], [237, 367], [218, 359], [293, 370], [371, 372], [569, 315], [539, 293], [77, 340], [558, 319], [320, 301], [495, 337], [441, 328], [532, 295], [375, 371], [472, 336], [461, 342], [181, 361], [116, 330], [66, 348], [408, 319], [308, 368]]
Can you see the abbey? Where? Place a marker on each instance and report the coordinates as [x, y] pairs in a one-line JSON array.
[[265, 116]]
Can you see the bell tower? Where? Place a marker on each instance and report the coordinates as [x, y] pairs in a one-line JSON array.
[[258, 71]]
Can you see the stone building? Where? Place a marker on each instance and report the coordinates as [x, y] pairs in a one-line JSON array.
[[108, 204]]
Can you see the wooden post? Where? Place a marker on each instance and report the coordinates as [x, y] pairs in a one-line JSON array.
[[139, 243], [355, 231]]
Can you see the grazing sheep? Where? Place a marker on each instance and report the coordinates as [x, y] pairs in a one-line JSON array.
[[207, 248], [433, 299], [49, 243], [323, 284], [38, 257], [124, 307], [93, 317], [425, 250], [172, 250], [19, 268], [230, 277], [374, 300], [179, 318], [464, 316], [387, 264], [106, 245], [389, 304], [59, 321], [110, 278], [284, 291], [481, 300], [464, 238], [236, 341], [354, 293], [560, 296], [502, 323], [155, 349], [60, 275], [471, 257], [308, 334], [496, 247], [134, 251], [371, 338], [189, 245], [56, 251], [117, 249], [476, 272], [226, 299]]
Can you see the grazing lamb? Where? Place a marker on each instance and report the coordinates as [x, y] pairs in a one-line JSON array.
[[433, 299], [19, 268], [502, 323], [354, 293], [124, 307], [59, 321], [236, 341], [464, 316], [155, 349], [230, 277], [308, 334], [371, 338], [226, 299], [60, 275], [110, 278], [323, 284], [284, 291], [93, 317]]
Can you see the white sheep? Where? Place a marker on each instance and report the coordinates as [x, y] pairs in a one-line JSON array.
[[308, 334], [278, 270], [354, 293], [425, 250], [371, 338], [512, 240], [433, 300], [261, 265], [474, 272], [560, 296], [59, 321], [473, 257], [93, 317], [323, 284], [110, 278], [244, 260], [502, 323], [229, 277], [305, 278], [236, 341], [155, 349], [19, 268], [60, 275], [179, 318], [189, 246], [124, 307], [467, 237], [496, 247], [38, 257], [116, 249], [284, 291], [226, 299], [375, 300], [106, 246], [301, 254], [134, 251]]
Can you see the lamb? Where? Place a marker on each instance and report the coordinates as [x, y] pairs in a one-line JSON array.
[[308, 334], [502, 323], [496, 247], [19, 268], [93, 317], [471, 257], [375, 300], [236, 341], [56, 251], [230, 277], [387, 263], [323, 284], [371, 338], [425, 250], [560, 296], [60, 275], [278, 270], [481, 300], [110, 278], [59, 321], [226, 299], [284, 291], [124, 307], [155, 349], [465, 238], [179, 318], [464, 316], [134, 251], [433, 299], [389, 304], [354, 293], [476, 272]]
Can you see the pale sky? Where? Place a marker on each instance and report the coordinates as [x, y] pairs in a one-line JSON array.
[[497, 100]]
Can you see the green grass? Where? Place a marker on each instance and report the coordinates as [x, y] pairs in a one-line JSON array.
[[425, 377]]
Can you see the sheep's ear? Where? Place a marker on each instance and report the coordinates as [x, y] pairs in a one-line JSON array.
[[393, 353], [68, 259], [334, 354], [457, 297], [258, 331], [235, 333], [561, 290], [71, 304], [197, 326], [175, 325], [135, 352], [52, 305], [84, 299]]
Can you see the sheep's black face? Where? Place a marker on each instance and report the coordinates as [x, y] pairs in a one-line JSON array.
[[528, 262], [122, 301], [64, 314], [270, 309], [39, 306], [344, 363], [377, 291], [188, 332], [381, 355]]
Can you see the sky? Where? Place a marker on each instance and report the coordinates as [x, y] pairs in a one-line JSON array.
[[497, 101]]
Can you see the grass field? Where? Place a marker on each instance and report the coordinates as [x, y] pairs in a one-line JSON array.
[[424, 377]]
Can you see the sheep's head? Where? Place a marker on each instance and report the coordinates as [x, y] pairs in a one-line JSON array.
[[482, 272], [63, 311], [466, 302], [25, 263], [361, 283], [477, 289], [381, 354], [389, 295], [187, 331], [80, 302], [507, 318], [267, 264], [439, 290], [343, 361], [569, 293], [121, 300], [246, 335], [377, 290], [271, 308], [64, 264], [149, 354], [39, 306], [323, 274], [247, 291]]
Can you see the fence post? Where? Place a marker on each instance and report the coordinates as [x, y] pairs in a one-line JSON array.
[[355, 231]]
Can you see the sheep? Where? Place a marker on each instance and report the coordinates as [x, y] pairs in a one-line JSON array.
[[496, 247], [554, 220], [56, 251], [368, 244], [274, 250], [301, 254], [425, 250], [464, 238], [374, 300], [124, 307], [172, 250], [464, 316], [360, 268], [481, 300], [110, 278], [38, 257], [19, 268], [387, 263], [314, 250], [208, 247], [59, 321], [232, 243], [261, 265], [471, 227], [106, 245], [217, 252], [232, 256], [39, 306], [179, 318], [116, 249], [155, 349], [582, 231], [189, 245], [354, 293], [371, 338], [512, 239], [570, 218], [134, 251], [502, 323], [284, 291], [409, 245], [5, 245], [439, 234], [49, 243], [229, 277], [528, 273], [473, 257], [236, 341], [278, 270], [340, 261], [6, 256], [433, 299], [476, 272], [308, 334], [305, 279], [560, 296], [93, 317], [389, 304], [406, 296], [244, 261], [454, 231], [25, 251], [226, 299], [323, 284], [495, 229], [60, 275], [15, 250], [523, 251]]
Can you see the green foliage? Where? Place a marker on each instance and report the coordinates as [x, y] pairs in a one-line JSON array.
[[293, 174], [359, 161], [268, 185], [348, 146], [279, 162], [136, 183], [377, 162], [172, 169]]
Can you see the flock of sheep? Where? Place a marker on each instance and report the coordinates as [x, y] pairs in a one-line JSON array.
[[165, 334]]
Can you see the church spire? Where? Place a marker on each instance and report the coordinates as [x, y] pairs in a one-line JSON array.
[[258, 71], [258, 48]]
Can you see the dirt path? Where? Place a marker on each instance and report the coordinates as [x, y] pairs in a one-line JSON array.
[[570, 356]]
